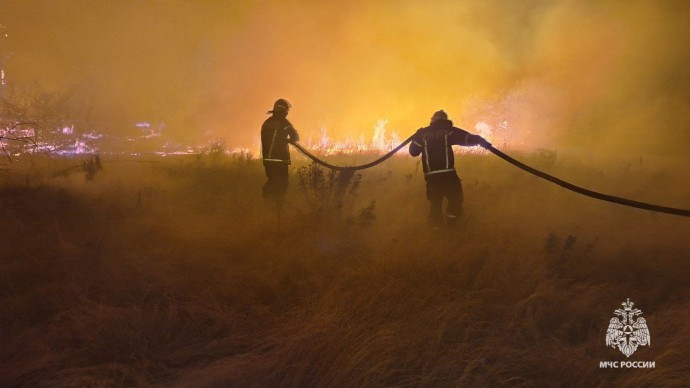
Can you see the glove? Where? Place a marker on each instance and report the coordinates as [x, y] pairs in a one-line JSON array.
[[481, 141]]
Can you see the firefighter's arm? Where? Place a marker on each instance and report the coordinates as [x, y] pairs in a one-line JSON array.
[[478, 140], [293, 136], [415, 146], [464, 138]]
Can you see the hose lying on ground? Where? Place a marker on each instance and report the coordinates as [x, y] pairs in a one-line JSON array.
[[589, 193], [540, 174]]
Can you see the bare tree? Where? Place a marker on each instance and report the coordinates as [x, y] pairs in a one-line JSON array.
[[35, 119]]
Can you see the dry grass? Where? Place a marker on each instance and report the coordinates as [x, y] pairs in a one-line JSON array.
[[177, 273]]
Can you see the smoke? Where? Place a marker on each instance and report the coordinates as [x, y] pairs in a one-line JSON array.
[[598, 77]]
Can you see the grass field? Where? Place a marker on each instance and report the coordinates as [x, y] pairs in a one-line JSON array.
[[175, 272]]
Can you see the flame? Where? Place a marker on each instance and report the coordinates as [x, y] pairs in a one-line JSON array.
[[379, 142], [66, 142]]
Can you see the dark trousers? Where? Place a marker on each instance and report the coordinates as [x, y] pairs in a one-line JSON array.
[[277, 183], [444, 185]]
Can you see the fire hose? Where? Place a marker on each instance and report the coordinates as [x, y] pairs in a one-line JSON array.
[[352, 168], [520, 165]]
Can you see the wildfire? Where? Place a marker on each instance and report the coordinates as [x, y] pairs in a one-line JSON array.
[[66, 142], [381, 142]]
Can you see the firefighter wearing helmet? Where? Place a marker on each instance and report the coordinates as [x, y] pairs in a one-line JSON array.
[[435, 144], [276, 133]]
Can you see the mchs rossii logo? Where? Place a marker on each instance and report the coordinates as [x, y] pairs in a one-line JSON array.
[[627, 331]]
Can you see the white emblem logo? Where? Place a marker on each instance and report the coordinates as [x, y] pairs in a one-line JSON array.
[[630, 333]]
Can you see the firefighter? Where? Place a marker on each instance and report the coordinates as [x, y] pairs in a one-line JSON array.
[[276, 133], [435, 144]]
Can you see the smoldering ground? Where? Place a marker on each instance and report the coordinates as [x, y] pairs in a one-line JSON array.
[[178, 273]]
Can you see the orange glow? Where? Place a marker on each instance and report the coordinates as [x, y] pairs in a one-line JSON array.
[[345, 67], [564, 74]]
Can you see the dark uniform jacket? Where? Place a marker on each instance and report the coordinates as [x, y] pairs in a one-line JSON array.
[[435, 143], [275, 134]]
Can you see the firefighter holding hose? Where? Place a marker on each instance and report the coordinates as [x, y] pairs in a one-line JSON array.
[[276, 133], [435, 144]]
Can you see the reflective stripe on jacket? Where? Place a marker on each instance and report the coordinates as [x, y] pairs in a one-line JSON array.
[[276, 133], [435, 144]]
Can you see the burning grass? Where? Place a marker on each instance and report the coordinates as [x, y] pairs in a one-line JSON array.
[[175, 272]]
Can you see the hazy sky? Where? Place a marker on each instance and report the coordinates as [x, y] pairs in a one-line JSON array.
[[591, 75]]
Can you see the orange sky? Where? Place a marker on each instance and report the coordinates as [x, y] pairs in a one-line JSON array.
[[583, 75]]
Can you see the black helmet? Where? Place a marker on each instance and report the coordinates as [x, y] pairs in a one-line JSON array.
[[281, 106], [440, 115]]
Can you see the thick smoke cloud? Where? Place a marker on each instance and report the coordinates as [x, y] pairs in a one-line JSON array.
[[590, 76]]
